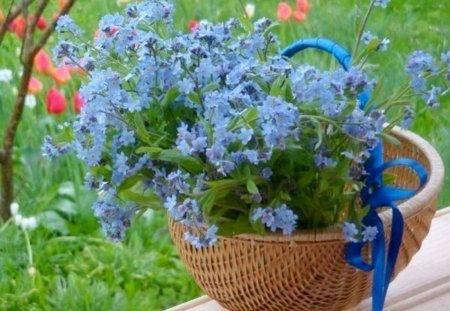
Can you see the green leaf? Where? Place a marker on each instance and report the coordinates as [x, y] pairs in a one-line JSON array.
[[207, 202], [210, 87], [247, 117], [257, 226], [288, 92], [141, 131], [194, 98], [251, 187], [269, 29], [305, 179], [146, 198], [277, 87], [234, 227], [52, 221], [389, 178], [170, 96], [67, 189], [224, 183], [156, 150], [65, 207], [65, 136], [189, 163], [129, 183], [370, 48], [391, 139], [349, 108], [246, 23], [261, 83]]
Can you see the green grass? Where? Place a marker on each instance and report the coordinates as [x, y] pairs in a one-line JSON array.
[[76, 268]]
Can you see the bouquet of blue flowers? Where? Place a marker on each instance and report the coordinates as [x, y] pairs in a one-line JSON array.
[[222, 130]]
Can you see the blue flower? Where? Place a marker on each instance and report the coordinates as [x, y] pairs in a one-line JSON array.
[[367, 37], [278, 119], [202, 240], [445, 58], [66, 24], [420, 63], [369, 233], [431, 97], [381, 3], [266, 173], [323, 161], [383, 46], [279, 218], [408, 117], [350, 232]]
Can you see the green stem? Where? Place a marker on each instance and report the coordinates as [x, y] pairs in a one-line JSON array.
[[5, 225], [243, 9], [29, 250], [363, 26]]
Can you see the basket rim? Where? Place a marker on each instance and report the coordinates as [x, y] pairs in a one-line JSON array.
[[408, 208]]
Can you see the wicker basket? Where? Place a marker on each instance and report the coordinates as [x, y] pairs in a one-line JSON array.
[[308, 271]]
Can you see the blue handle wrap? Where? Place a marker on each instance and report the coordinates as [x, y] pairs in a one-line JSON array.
[[374, 194]]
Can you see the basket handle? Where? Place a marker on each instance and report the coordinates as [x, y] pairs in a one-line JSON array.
[[341, 54]]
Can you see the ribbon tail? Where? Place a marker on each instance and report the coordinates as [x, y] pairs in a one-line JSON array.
[[379, 265], [394, 245]]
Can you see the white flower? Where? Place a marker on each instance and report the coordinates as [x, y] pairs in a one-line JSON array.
[[18, 219], [5, 75], [250, 10], [29, 223], [384, 44], [30, 101], [32, 271], [14, 208]]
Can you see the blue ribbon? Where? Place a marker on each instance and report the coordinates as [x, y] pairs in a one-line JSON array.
[[375, 194]]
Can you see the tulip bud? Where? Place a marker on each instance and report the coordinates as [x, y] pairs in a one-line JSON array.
[[78, 102], [56, 103]]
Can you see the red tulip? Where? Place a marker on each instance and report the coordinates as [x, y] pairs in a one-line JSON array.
[[18, 26], [193, 24], [42, 23], [56, 103], [61, 75], [34, 86], [284, 11], [299, 16], [43, 63], [78, 102], [303, 6]]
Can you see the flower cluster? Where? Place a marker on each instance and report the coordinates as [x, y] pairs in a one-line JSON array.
[[215, 126], [56, 102], [299, 13], [25, 223]]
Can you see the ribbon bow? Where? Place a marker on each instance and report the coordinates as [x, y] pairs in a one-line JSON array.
[[376, 195]]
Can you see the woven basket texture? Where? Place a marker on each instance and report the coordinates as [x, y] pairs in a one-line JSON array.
[[307, 271]]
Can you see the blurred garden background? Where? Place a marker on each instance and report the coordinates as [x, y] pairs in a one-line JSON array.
[[73, 267]]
